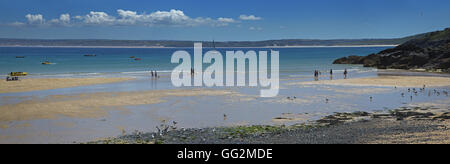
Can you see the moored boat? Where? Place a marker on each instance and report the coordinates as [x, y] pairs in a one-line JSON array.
[[18, 74]]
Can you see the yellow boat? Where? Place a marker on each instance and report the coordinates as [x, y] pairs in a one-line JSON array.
[[46, 63], [18, 74]]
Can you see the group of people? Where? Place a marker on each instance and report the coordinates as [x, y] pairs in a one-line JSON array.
[[154, 74], [12, 78], [318, 73]]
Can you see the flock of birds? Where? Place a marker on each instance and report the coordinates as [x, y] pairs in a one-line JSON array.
[[413, 91]]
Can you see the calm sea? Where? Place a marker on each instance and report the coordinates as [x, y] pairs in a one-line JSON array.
[[67, 62]]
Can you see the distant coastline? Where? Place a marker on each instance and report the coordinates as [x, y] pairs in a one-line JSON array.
[[283, 43], [156, 47]]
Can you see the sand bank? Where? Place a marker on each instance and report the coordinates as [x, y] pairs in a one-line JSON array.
[[35, 84], [385, 81], [93, 105]]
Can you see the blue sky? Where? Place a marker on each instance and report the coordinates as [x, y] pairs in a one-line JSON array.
[[223, 20]]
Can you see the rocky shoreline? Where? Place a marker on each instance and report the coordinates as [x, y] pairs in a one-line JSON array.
[[430, 52], [404, 125]]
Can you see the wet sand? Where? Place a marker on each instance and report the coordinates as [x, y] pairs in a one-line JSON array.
[[385, 81], [36, 84], [92, 105], [409, 125]]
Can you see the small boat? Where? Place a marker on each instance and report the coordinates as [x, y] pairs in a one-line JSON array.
[[90, 55], [132, 57], [18, 74], [138, 59], [19, 57], [46, 62], [214, 47]]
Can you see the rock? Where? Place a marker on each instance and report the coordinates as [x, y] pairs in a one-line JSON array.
[[443, 116], [350, 60], [430, 51]]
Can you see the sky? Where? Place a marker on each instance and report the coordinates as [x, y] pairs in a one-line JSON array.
[[221, 20]]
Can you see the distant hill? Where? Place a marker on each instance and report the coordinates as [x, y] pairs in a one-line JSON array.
[[429, 51], [169, 43]]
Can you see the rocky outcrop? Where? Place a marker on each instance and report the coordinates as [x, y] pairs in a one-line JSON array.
[[431, 52]]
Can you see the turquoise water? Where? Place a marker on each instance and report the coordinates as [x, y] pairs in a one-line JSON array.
[[117, 61]]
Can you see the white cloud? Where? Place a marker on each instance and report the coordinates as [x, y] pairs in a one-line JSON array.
[[98, 18], [78, 17], [127, 14], [255, 28], [226, 20], [35, 19], [249, 17], [65, 18], [172, 17], [18, 24]]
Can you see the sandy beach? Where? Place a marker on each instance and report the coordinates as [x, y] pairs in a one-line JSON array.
[[92, 105], [63, 110], [385, 81], [36, 84]]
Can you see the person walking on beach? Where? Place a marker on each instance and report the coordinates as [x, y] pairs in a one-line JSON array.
[[331, 74], [151, 72], [345, 74], [316, 75]]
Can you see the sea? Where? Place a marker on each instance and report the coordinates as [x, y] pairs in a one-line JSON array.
[[117, 62]]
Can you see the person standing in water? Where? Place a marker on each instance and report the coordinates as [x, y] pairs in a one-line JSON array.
[[316, 75], [345, 74], [331, 74]]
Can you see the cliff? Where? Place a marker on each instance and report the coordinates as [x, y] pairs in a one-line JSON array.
[[430, 51]]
